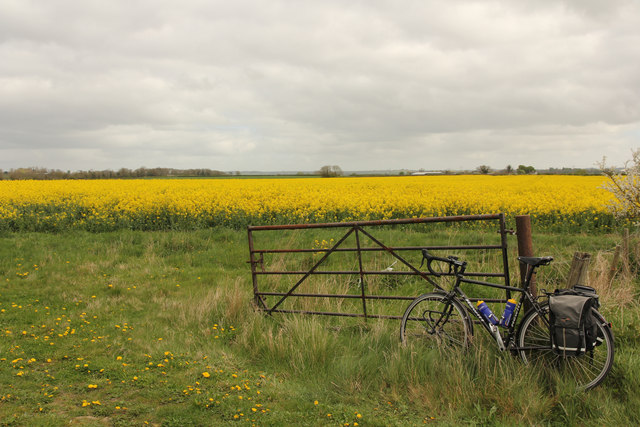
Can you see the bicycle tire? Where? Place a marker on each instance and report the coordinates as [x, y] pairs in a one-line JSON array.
[[435, 320], [587, 371]]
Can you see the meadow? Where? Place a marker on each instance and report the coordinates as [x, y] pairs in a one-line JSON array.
[[155, 325]]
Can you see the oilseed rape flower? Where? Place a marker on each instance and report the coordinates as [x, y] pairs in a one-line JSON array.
[[104, 205]]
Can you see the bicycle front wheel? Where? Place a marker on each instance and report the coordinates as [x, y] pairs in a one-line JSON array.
[[435, 320], [586, 371]]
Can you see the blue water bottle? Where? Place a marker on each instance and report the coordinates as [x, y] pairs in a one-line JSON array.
[[486, 312], [508, 312]]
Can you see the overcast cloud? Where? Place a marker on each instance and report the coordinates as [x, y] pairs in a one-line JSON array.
[[293, 85]]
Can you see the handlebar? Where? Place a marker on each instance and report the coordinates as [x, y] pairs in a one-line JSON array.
[[455, 265]]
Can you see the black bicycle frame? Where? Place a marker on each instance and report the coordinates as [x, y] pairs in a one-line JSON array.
[[524, 295]]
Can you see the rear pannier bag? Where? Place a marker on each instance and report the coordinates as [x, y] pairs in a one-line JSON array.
[[573, 326]]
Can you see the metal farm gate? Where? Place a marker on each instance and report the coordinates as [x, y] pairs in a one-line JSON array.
[[283, 274]]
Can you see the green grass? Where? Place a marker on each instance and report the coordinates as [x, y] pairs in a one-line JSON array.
[[120, 328]]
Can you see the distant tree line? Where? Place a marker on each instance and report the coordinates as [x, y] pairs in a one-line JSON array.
[[43, 173], [529, 170], [325, 171]]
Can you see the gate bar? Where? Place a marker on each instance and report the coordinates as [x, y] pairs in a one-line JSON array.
[[457, 218]]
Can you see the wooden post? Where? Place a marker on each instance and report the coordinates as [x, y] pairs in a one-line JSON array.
[[579, 269], [525, 248], [525, 243], [614, 263], [625, 253]]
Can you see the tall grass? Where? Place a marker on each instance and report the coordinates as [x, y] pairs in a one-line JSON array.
[[128, 327]]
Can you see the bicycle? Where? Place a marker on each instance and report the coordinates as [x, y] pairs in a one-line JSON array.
[[445, 319]]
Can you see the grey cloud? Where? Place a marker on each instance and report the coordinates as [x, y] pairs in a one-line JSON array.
[[294, 85]]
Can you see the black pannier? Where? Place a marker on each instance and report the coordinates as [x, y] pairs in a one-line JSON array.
[[573, 326]]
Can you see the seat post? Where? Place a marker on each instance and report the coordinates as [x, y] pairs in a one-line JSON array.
[[531, 269]]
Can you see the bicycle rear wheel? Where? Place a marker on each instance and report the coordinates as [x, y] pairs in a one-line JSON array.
[[587, 371], [435, 320]]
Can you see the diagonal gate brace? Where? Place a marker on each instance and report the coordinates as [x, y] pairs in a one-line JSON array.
[[310, 272]]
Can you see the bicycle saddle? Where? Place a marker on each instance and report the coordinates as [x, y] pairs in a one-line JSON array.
[[535, 261]]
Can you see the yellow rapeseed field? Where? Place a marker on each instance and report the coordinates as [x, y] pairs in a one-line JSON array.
[[559, 201]]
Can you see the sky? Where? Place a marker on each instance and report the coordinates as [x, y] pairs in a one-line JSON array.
[[283, 85]]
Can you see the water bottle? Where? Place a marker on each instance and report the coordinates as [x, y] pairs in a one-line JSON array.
[[508, 312], [486, 312]]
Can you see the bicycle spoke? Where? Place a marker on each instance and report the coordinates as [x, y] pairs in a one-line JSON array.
[[586, 370], [432, 320]]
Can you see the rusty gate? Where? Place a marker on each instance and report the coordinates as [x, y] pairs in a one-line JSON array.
[[350, 240]]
